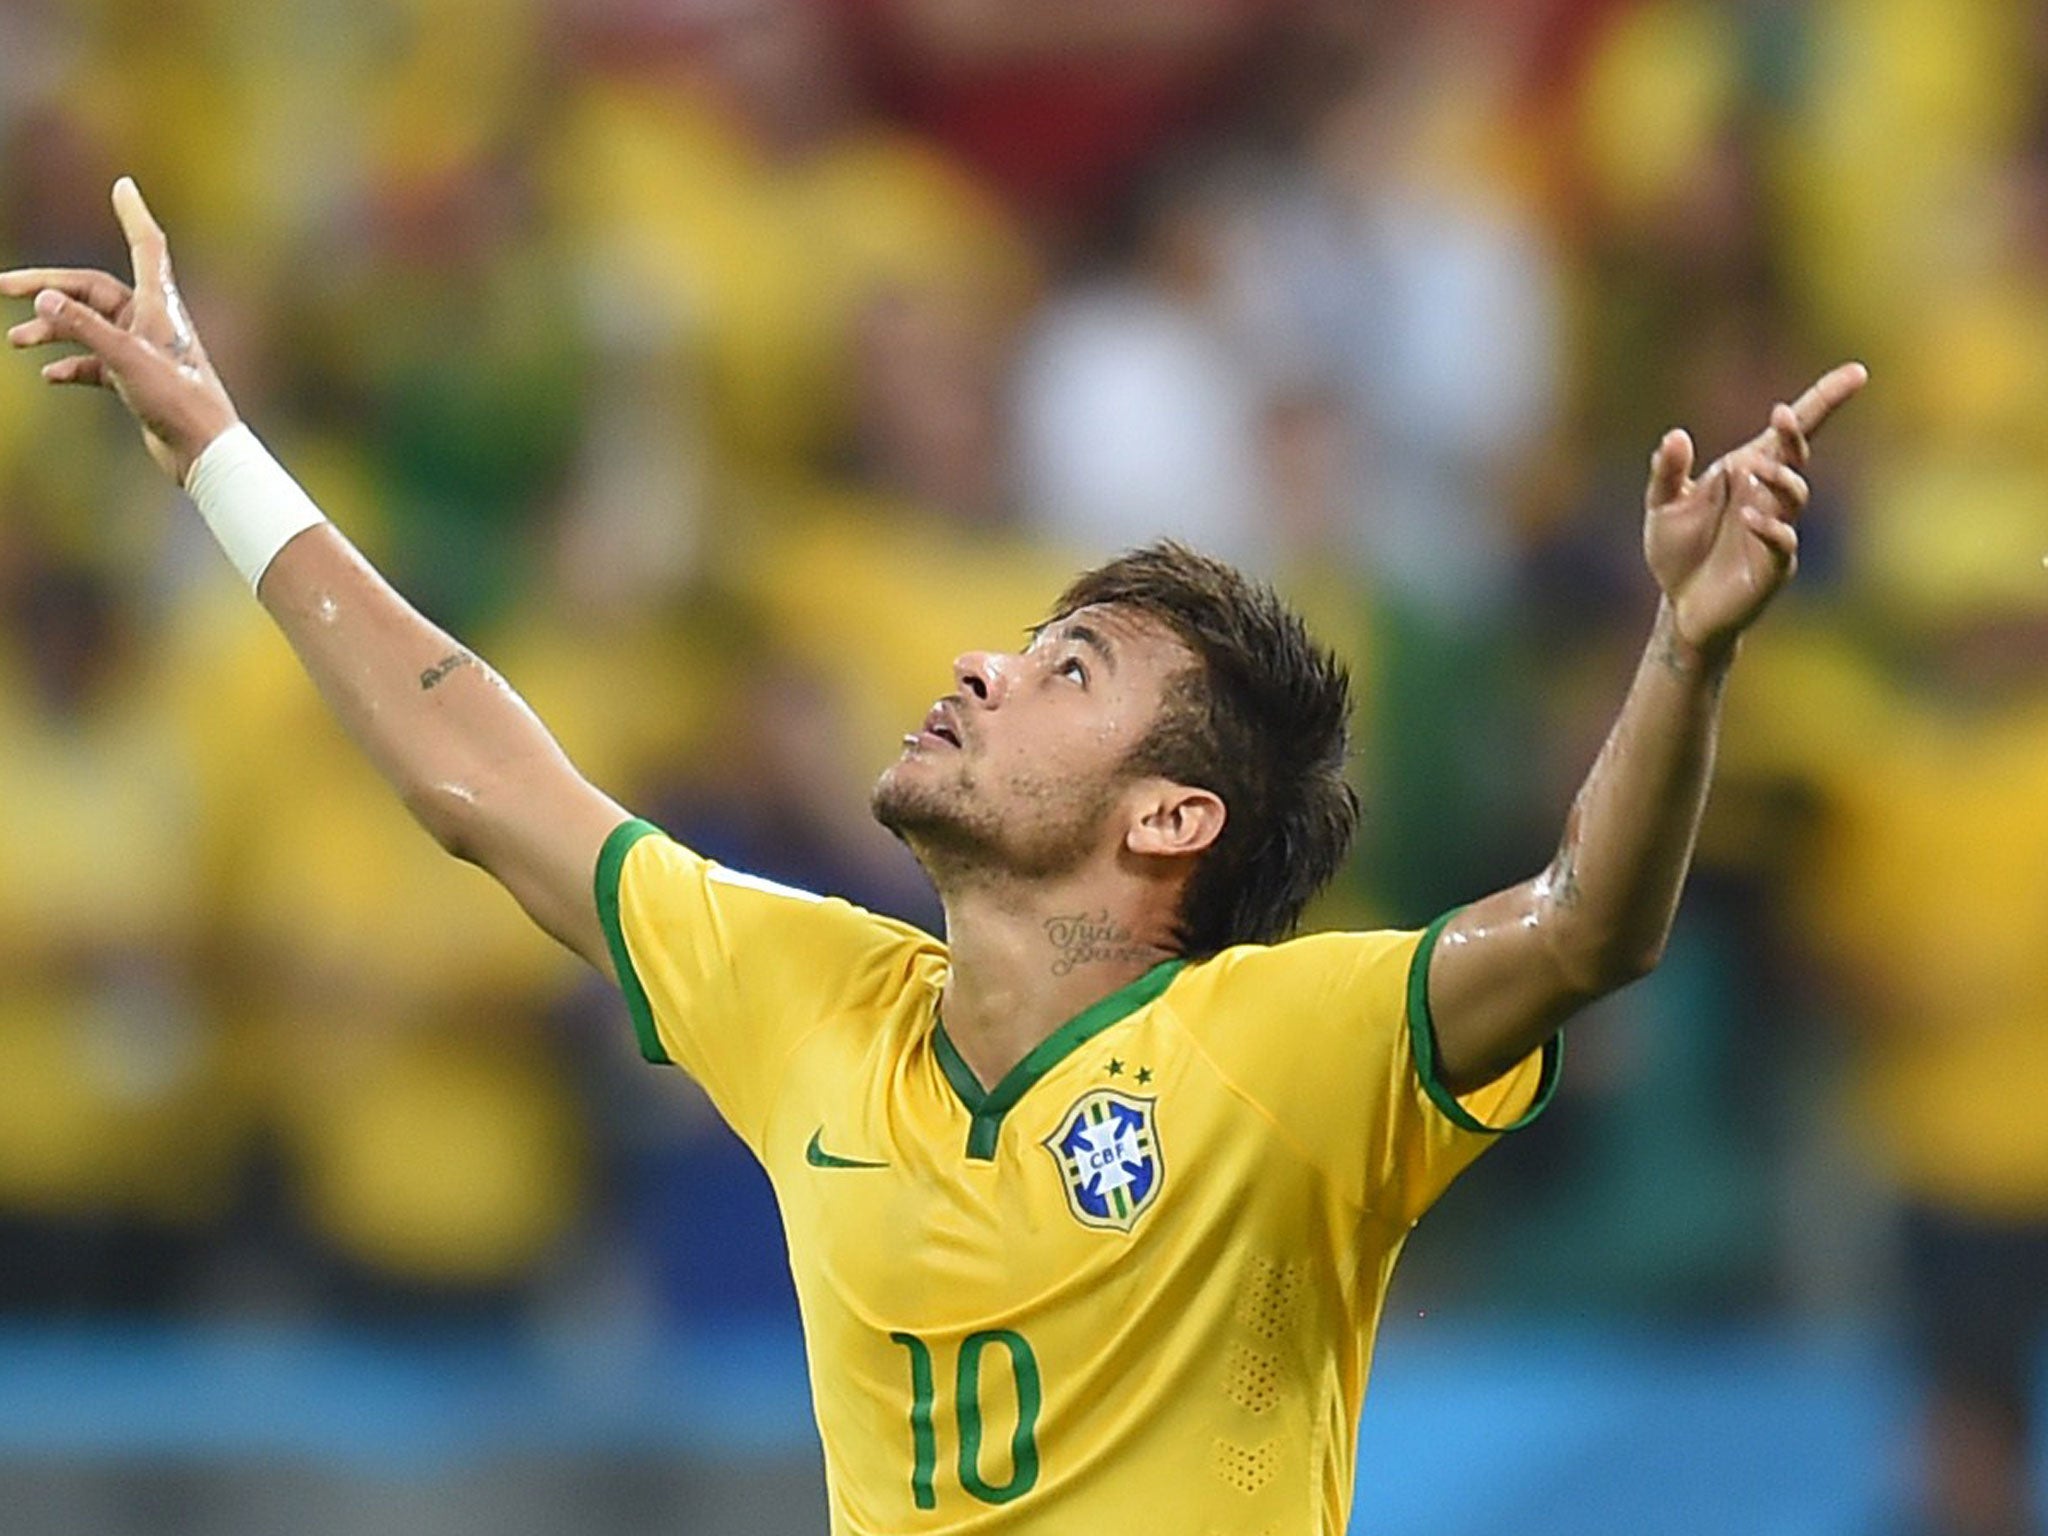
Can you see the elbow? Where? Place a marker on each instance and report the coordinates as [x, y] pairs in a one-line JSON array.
[[1625, 963], [450, 813], [1598, 959]]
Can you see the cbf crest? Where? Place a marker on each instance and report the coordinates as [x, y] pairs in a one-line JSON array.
[[1107, 1148]]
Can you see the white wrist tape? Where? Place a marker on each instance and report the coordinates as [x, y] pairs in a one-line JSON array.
[[253, 507]]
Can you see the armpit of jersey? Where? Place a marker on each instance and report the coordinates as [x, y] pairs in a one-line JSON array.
[[724, 972]]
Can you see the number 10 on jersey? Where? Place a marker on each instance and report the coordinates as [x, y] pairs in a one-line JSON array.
[[924, 1440]]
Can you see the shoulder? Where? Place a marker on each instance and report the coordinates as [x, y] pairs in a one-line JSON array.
[[725, 972], [641, 860], [1307, 997], [1315, 967], [668, 898]]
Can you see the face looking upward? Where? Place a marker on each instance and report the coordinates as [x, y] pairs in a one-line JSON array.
[[1022, 772]]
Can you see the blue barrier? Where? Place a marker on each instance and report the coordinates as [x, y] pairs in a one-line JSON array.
[[1541, 1430]]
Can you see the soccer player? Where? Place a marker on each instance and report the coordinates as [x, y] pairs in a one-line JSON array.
[[1091, 1207]]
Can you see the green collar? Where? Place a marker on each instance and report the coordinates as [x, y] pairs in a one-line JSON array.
[[988, 1106]]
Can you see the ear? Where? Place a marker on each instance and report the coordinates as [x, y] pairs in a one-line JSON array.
[[1175, 820]]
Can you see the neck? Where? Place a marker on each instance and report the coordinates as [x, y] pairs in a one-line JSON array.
[[1024, 961]]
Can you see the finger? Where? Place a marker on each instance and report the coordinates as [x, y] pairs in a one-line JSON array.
[[151, 255], [83, 369], [70, 320], [1787, 484], [102, 290], [1828, 394], [1669, 466], [147, 249], [1777, 535], [32, 333], [1791, 436]]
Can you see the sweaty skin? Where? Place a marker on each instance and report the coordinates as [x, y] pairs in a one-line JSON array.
[[461, 749], [1511, 967], [1031, 819], [1027, 819]]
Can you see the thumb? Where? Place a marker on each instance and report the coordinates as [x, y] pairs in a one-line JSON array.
[[1669, 467], [118, 351]]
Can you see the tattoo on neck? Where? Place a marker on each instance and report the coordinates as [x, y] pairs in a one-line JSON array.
[[1083, 940], [439, 671]]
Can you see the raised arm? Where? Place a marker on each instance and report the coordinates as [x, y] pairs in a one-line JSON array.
[[1510, 968], [470, 760]]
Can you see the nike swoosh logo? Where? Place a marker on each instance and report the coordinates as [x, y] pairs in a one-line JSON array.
[[816, 1155]]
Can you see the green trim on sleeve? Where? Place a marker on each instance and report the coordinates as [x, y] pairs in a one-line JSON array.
[[1422, 1037], [611, 867]]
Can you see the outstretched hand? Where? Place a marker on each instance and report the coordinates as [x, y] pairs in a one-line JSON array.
[[139, 341], [1722, 544]]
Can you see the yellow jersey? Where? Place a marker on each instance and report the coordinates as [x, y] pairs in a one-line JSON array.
[[1137, 1280], [1922, 886]]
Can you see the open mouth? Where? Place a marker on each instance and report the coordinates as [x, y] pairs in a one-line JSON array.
[[940, 725]]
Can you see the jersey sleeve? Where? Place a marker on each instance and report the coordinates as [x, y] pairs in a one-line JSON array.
[[725, 973], [1331, 1038]]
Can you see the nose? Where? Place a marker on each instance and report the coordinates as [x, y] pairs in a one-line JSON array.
[[981, 676]]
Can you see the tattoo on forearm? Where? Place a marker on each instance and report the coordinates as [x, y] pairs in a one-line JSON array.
[[1562, 878], [1564, 884], [1667, 655], [1665, 652], [438, 673], [1082, 940]]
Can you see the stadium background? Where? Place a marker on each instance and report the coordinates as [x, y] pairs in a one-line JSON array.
[[719, 368]]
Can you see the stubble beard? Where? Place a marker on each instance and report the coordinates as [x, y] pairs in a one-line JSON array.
[[962, 840]]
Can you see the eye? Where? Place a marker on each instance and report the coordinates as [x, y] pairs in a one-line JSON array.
[[1073, 668]]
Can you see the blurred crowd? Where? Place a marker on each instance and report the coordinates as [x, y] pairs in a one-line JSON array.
[[720, 368]]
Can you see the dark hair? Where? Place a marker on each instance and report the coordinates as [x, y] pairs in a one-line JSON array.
[[1262, 721]]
